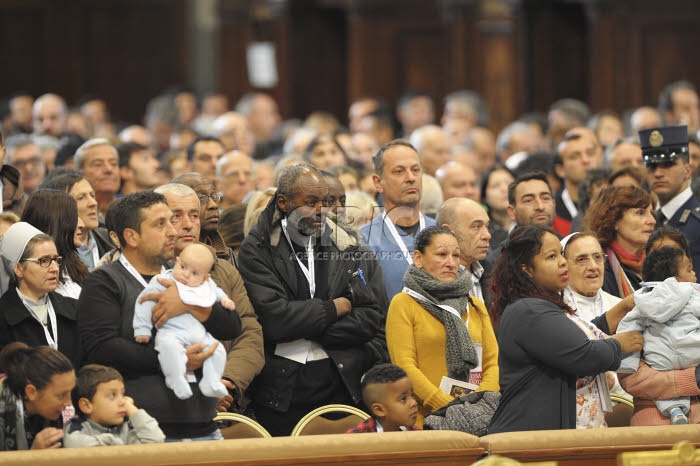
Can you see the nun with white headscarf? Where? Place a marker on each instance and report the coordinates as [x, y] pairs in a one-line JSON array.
[[32, 312]]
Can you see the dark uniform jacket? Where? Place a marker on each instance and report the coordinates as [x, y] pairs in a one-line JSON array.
[[687, 220]]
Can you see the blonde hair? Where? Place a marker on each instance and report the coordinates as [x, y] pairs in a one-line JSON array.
[[256, 204]]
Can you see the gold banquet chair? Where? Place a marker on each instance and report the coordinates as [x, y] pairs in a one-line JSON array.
[[234, 425], [497, 460], [621, 414], [314, 423], [682, 454]]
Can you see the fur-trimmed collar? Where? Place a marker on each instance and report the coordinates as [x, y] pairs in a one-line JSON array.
[[342, 235]]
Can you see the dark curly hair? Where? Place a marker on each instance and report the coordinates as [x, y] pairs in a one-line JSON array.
[[611, 204], [666, 231], [510, 281], [662, 263]]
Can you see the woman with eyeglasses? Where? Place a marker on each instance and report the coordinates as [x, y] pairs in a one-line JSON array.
[[32, 311], [622, 219], [586, 263], [56, 214]]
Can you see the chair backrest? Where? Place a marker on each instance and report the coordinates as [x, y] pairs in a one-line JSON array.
[[497, 460], [314, 423], [682, 454], [234, 425], [621, 414]]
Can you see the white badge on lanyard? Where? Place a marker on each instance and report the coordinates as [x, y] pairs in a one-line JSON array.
[[51, 340], [310, 271], [419, 297], [132, 270], [395, 234]]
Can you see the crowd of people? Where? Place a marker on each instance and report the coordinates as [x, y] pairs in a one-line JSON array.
[[438, 276]]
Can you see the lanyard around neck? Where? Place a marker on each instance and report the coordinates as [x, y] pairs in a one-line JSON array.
[[395, 234], [310, 271], [51, 339], [132, 270], [422, 299]]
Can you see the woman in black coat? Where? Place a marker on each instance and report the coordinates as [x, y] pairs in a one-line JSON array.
[[32, 312]]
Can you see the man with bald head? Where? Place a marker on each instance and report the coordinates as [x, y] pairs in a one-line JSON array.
[[433, 146], [234, 177], [624, 153], [644, 118], [469, 222], [137, 134], [458, 180], [49, 115], [234, 132], [209, 201], [244, 354]]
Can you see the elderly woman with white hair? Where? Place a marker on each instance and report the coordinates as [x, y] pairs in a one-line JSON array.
[[599, 312], [32, 311]]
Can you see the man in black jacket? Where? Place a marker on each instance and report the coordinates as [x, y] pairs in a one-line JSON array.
[[106, 313], [320, 297]]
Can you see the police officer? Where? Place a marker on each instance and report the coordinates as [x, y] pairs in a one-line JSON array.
[[665, 154]]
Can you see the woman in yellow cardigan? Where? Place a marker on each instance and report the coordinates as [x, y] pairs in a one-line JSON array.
[[434, 329]]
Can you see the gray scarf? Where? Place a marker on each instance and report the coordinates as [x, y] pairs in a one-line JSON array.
[[461, 355]]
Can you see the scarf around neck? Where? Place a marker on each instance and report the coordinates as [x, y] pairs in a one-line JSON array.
[[631, 260], [461, 355]]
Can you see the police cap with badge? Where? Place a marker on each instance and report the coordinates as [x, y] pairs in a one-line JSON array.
[[661, 146]]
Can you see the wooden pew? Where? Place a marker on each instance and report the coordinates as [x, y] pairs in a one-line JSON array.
[[590, 447], [391, 448]]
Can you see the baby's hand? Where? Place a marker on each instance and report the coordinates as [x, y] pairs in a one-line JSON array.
[[142, 339], [129, 406], [227, 303]]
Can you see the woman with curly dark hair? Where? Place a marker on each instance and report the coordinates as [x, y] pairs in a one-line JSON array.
[[542, 348], [622, 218]]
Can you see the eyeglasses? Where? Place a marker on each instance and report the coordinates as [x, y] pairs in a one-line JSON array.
[[598, 258], [34, 162], [216, 197], [45, 262]]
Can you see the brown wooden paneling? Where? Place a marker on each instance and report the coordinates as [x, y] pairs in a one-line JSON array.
[[124, 50]]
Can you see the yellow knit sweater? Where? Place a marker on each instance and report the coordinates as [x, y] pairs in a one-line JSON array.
[[416, 342]]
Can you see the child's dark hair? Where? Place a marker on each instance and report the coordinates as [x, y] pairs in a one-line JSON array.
[[662, 263], [379, 374], [31, 365], [382, 373], [89, 377], [666, 231]]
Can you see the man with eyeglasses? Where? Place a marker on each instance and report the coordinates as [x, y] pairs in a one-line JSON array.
[[23, 154], [209, 200], [666, 155]]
